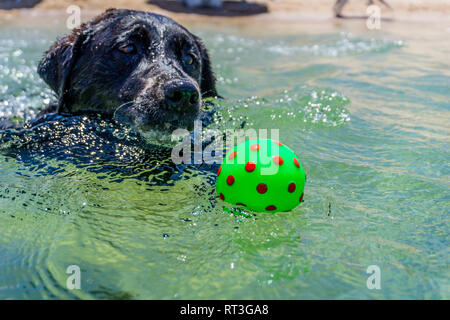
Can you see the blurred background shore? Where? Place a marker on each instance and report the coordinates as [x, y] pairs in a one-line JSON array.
[[286, 10]]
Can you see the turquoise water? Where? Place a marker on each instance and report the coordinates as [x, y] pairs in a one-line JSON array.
[[367, 113]]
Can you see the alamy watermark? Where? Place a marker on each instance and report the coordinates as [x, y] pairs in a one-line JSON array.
[[373, 21], [207, 146], [74, 19], [374, 280], [74, 280]]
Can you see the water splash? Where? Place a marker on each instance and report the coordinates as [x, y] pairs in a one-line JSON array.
[[302, 107], [346, 44], [22, 91], [335, 45]]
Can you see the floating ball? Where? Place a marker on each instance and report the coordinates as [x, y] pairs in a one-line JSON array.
[[261, 175]]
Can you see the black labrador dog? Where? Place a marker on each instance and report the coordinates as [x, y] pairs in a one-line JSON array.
[[138, 67]]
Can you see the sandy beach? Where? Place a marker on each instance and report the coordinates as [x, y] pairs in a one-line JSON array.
[[286, 10]]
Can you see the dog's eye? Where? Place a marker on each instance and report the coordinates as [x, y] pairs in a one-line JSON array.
[[129, 48], [188, 59]]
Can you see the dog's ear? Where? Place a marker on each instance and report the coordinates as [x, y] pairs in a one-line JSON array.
[[56, 66], [208, 80]]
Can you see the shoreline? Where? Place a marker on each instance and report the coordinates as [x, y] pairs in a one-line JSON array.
[[420, 11]]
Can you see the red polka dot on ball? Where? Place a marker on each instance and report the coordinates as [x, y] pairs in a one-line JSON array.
[[271, 208], [301, 198], [278, 160], [250, 166], [261, 188], [291, 187], [218, 171], [297, 164], [232, 155], [277, 143], [222, 197], [241, 204], [230, 180], [255, 147]]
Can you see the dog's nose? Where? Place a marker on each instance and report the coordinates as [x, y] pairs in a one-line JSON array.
[[181, 95]]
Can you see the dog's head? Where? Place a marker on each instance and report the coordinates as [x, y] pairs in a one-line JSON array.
[[140, 67]]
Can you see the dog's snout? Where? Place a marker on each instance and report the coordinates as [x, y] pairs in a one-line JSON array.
[[181, 95]]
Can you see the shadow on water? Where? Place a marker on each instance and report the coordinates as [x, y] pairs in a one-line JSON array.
[[18, 4], [228, 9]]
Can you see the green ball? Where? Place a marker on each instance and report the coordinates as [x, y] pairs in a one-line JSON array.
[[261, 175]]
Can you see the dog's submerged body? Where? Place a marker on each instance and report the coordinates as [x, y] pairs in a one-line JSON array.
[[138, 67]]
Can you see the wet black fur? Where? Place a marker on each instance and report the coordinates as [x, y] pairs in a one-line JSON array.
[[89, 73]]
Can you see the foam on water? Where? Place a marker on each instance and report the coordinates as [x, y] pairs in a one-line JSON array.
[[329, 46], [347, 44]]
